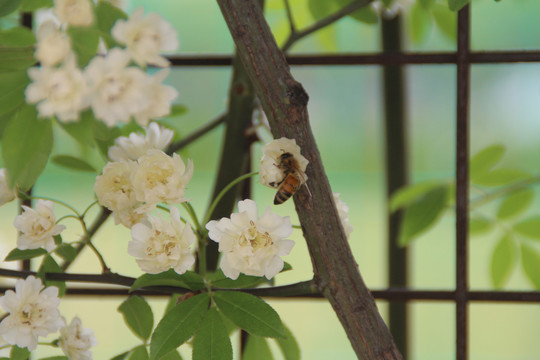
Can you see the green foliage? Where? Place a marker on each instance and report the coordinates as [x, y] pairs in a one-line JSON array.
[[121, 356], [503, 261], [257, 349], [456, 5], [515, 203], [420, 23], [479, 225], [530, 259], [66, 252], [83, 130], [84, 42], [423, 214], [60, 357], [107, 15], [26, 145], [138, 316], [179, 325], [219, 280], [289, 346], [12, 86], [409, 194], [17, 254], [49, 265], [8, 6], [73, 163], [485, 160], [33, 5], [16, 49], [500, 177], [250, 313], [212, 340], [172, 355], [366, 14], [18, 353], [188, 280], [139, 353], [445, 20], [529, 227]]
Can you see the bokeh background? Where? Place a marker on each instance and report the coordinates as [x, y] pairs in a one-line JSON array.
[[345, 109]]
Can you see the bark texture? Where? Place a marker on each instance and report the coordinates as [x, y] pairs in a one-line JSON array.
[[284, 101]]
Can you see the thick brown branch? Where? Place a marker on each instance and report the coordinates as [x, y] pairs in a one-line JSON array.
[[284, 102]]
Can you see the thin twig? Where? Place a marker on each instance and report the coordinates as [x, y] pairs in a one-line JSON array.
[[330, 19], [290, 16], [174, 147]]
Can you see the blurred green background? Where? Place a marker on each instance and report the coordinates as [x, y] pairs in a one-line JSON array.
[[346, 114]]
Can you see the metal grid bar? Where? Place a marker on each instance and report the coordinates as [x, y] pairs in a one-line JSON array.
[[462, 183], [478, 57]]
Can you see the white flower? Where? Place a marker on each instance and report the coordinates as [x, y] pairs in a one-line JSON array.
[[160, 245], [76, 341], [74, 12], [37, 226], [32, 313], [252, 245], [269, 172], [161, 178], [160, 98], [136, 145], [59, 91], [6, 193], [145, 37], [117, 91], [131, 216], [343, 212], [53, 45]]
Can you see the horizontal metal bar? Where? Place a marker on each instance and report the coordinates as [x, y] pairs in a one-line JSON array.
[[387, 294], [479, 57]]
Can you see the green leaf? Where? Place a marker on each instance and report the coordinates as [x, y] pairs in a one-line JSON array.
[[104, 136], [479, 225], [179, 325], [17, 37], [503, 261], [26, 145], [82, 130], [366, 14], [73, 163], [121, 356], [139, 353], [219, 280], [427, 4], [420, 23], [407, 195], [49, 265], [107, 15], [33, 5], [483, 161], [18, 353], [530, 259], [188, 280], [84, 42], [67, 252], [515, 203], [321, 8], [59, 357], [500, 177], [289, 347], [257, 349], [8, 6], [529, 227], [17, 254], [138, 316], [456, 5], [446, 20], [12, 85], [212, 341], [250, 313], [177, 110], [423, 214], [172, 355]]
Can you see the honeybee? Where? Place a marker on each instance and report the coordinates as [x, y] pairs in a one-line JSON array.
[[293, 178]]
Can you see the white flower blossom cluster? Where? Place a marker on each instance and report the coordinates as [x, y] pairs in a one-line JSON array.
[[32, 312], [114, 90], [139, 177]]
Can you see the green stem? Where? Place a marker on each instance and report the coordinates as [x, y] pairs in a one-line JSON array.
[[67, 217], [104, 267], [483, 199], [194, 218], [224, 191], [88, 208]]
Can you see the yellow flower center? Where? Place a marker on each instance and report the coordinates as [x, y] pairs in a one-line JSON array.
[[254, 238]]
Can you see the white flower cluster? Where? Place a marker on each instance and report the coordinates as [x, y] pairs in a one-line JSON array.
[[115, 91], [139, 177], [33, 312]]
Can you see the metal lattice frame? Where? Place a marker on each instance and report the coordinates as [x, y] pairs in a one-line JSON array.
[[463, 58]]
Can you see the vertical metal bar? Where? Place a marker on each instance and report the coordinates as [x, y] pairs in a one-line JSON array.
[[396, 174], [462, 182]]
